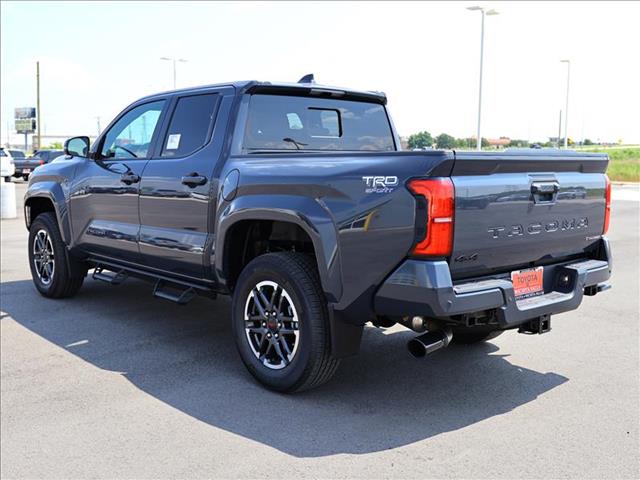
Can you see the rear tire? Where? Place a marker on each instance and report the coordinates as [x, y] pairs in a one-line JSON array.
[[286, 287], [49, 260], [469, 336], [25, 178]]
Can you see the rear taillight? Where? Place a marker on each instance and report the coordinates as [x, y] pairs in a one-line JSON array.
[[607, 204], [41, 162], [438, 238]]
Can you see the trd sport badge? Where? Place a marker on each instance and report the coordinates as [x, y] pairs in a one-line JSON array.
[[379, 183]]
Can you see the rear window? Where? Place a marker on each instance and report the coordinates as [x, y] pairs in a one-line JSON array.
[[190, 125], [3, 154], [277, 122], [16, 153]]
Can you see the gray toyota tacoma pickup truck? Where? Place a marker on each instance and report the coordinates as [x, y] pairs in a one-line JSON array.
[[296, 200]]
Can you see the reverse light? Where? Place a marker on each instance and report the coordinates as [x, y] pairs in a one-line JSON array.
[[439, 196], [607, 202]]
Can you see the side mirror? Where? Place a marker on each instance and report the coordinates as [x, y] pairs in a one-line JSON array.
[[77, 147]]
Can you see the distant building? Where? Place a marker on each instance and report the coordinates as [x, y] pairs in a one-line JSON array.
[[499, 142]]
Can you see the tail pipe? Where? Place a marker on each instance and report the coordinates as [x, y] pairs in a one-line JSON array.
[[429, 342]]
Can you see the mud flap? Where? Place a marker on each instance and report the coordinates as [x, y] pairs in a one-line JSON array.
[[345, 337]]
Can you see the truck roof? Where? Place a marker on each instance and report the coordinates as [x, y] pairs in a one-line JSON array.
[[255, 86]]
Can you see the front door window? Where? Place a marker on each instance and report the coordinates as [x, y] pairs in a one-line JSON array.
[[131, 136]]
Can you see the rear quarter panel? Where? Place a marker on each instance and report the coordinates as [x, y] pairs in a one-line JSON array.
[[363, 233]]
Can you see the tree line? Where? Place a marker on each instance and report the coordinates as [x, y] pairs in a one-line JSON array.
[[446, 141]]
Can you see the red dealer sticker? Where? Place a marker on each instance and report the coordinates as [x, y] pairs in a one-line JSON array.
[[527, 283]]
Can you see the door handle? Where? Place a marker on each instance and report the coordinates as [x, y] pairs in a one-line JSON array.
[[194, 180], [130, 178]]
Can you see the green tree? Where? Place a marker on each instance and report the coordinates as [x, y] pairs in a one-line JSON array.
[[518, 143], [462, 143], [445, 141], [587, 142], [55, 146], [420, 140]]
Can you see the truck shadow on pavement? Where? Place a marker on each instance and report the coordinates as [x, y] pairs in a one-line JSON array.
[[185, 357]]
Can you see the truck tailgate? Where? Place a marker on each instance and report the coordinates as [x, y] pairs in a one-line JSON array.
[[519, 210]]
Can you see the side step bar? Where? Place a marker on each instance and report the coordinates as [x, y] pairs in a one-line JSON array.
[[168, 288], [162, 289], [112, 278]]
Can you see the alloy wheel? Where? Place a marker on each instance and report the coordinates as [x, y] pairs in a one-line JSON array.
[[271, 325], [43, 257]]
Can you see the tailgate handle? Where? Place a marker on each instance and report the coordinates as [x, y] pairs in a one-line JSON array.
[[544, 192]]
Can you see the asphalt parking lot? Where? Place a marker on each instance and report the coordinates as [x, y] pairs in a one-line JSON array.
[[115, 384]]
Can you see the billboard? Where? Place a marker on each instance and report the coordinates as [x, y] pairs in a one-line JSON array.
[[25, 119], [25, 125], [25, 112]]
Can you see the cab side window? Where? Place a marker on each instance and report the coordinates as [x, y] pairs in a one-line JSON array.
[[131, 136], [190, 125]]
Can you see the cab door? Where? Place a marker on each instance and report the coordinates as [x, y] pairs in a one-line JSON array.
[[104, 194], [178, 188]]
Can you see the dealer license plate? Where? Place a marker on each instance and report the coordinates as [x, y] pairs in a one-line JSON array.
[[527, 283]]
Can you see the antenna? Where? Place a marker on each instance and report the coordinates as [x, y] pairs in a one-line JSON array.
[[308, 78]]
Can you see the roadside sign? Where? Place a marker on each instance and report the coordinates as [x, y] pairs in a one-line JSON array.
[[25, 112], [25, 120], [25, 125]]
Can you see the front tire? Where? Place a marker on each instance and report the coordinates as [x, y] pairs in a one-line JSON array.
[[49, 260], [281, 323]]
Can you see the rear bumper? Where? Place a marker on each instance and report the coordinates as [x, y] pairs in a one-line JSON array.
[[425, 288], [20, 169]]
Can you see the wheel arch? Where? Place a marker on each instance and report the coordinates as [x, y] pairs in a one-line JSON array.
[[48, 200], [303, 214]]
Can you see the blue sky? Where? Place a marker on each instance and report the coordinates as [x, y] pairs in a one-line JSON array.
[[98, 57]]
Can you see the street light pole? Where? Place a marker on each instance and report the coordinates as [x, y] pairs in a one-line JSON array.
[[174, 60], [483, 12], [566, 105], [479, 137], [37, 108]]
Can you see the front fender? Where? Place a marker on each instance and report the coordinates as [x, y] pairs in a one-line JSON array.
[[308, 213], [54, 192]]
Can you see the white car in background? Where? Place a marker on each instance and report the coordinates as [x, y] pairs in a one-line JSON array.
[[7, 168]]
